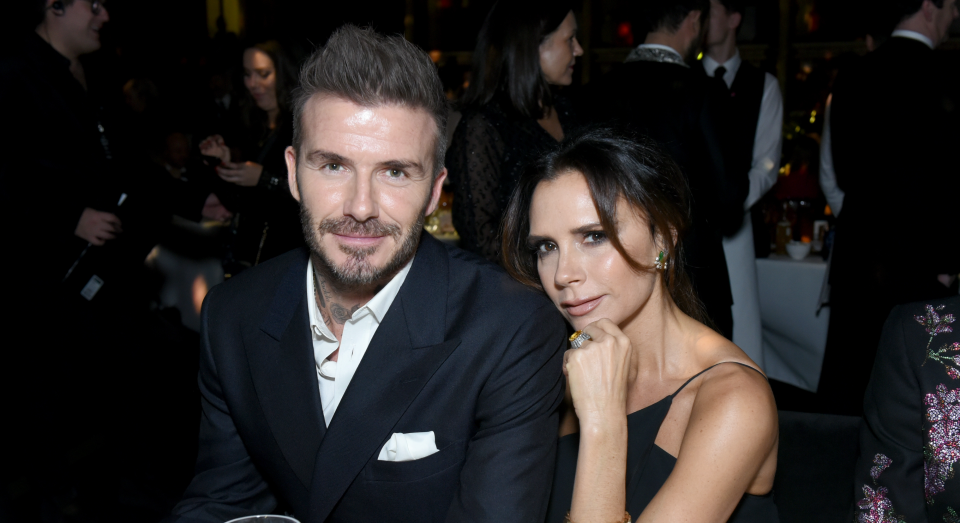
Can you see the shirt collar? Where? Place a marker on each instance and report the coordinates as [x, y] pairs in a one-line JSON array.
[[662, 47], [913, 35], [377, 306], [732, 65]]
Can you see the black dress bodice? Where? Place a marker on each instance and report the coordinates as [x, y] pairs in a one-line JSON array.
[[648, 467]]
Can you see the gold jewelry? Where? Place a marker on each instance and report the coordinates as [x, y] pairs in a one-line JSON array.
[[626, 518], [660, 262], [577, 338]]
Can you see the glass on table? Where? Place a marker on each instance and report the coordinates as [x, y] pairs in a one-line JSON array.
[[264, 518]]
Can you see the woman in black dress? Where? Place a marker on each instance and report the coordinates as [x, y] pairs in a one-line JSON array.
[[266, 219], [511, 111], [670, 420]]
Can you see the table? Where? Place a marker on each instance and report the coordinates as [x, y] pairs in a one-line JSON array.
[[794, 333]]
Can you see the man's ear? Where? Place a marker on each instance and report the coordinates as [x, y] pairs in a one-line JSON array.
[[435, 192], [734, 21], [929, 10], [290, 156]]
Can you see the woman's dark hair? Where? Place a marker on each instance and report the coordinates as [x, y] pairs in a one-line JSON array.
[[506, 61], [617, 170], [254, 118]]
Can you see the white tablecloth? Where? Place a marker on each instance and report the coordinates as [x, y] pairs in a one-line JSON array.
[[794, 335]]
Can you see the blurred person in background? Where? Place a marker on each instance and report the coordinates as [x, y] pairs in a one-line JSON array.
[[512, 111], [894, 127], [266, 220], [753, 107], [82, 215], [657, 94]]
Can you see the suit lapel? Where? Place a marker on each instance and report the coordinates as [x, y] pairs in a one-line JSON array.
[[405, 352], [285, 377]]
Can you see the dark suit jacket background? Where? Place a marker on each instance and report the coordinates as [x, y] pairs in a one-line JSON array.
[[668, 103], [464, 351], [897, 425], [895, 126]]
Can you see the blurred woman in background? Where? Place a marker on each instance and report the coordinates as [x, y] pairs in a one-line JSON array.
[[512, 111], [266, 219]]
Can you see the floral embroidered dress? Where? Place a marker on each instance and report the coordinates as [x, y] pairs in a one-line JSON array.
[[910, 443]]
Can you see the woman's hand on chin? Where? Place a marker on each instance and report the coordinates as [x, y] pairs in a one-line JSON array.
[[598, 375]]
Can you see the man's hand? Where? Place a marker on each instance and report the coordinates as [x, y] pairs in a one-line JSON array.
[[214, 210], [246, 174], [97, 226], [214, 146]]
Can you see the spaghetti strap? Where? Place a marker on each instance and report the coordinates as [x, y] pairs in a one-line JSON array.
[[697, 375]]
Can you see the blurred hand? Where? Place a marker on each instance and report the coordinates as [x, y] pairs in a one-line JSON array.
[[214, 210], [598, 374], [97, 226], [214, 146], [246, 174]]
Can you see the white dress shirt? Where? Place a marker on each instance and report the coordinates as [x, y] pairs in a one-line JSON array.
[[913, 35], [738, 249], [767, 140], [828, 175], [335, 376]]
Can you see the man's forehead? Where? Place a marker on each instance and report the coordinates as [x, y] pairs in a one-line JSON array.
[[320, 103], [333, 118]]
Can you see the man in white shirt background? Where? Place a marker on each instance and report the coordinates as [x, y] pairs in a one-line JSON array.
[[751, 129]]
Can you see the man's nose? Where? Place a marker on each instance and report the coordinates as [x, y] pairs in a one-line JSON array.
[[361, 202]]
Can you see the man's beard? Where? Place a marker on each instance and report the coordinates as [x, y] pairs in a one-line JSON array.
[[358, 271]]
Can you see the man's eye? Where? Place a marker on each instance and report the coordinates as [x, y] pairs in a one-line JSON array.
[[394, 173], [334, 166]]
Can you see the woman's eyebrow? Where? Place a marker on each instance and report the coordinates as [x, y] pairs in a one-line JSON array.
[[590, 227]]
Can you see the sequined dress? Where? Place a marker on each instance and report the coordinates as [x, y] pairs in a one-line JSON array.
[[648, 467], [490, 147]]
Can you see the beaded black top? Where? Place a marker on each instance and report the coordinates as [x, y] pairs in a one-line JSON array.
[[490, 148]]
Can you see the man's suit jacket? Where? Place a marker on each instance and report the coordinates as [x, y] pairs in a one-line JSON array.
[[909, 439], [895, 125], [463, 351], [668, 103]]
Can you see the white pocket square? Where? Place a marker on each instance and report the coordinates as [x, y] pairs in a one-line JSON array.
[[408, 447]]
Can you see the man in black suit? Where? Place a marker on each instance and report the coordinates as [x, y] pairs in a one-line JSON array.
[[657, 94], [908, 440], [378, 375], [895, 124]]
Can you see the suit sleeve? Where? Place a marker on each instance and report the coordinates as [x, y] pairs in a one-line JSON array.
[[226, 484], [509, 464], [891, 439]]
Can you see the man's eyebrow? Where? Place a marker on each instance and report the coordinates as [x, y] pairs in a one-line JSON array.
[[403, 165], [322, 157]]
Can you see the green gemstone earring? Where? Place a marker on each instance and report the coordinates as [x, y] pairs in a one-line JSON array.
[[660, 262]]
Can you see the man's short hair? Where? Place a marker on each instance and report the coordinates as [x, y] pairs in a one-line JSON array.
[[371, 70], [667, 15], [733, 6]]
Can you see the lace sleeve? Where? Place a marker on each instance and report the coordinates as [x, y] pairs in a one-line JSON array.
[[474, 161]]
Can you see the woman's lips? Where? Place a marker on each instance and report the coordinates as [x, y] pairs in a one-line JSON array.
[[581, 307]]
